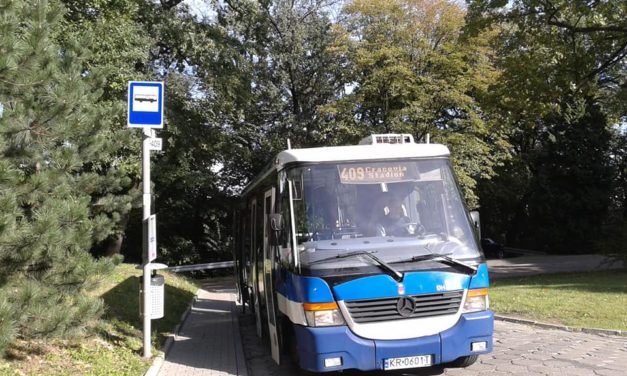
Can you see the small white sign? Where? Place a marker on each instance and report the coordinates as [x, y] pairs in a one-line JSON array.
[[152, 237], [154, 143], [146, 99]]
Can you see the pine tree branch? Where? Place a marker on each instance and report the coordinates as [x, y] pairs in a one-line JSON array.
[[27, 84]]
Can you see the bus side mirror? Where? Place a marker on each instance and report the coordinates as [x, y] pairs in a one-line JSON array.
[[276, 224], [474, 215]]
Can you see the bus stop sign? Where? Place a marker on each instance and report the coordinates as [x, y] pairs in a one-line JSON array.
[[145, 104]]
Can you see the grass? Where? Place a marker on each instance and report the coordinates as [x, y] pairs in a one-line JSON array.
[[115, 346], [584, 300]]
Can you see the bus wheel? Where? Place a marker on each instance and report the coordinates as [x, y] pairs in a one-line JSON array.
[[464, 361], [289, 341]]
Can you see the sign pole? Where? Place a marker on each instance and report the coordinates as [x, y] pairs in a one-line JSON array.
[[145, 110], [147, 198]]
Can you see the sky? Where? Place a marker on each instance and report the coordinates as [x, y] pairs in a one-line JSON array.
[[200, 8]]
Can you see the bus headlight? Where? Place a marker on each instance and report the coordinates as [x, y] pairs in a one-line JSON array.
[[323, 314], [476, 300]]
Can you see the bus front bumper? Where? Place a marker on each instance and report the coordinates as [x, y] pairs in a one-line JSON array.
[[321, 349]]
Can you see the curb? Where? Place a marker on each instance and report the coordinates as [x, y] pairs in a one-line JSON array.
[[242, 367], [604, 332], [160, 357], [156, 365]]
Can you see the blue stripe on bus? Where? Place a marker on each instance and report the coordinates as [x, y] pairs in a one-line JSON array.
[[381, 286], [316, 290], [480, 280], [305, 289]]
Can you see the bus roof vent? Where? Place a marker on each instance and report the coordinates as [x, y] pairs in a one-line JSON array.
[[388, 138]]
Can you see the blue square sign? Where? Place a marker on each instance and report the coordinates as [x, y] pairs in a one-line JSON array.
[[145, 104]]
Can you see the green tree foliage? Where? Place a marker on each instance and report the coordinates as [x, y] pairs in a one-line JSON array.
[[238, 85], [191, 192], [563, 77], [60, 189], [284, 73], [119, 44], [192, 202], [147, 40], [614, 239], [119, 50], [413, 71]]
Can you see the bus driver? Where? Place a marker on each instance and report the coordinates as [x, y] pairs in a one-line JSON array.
[[395, 222]]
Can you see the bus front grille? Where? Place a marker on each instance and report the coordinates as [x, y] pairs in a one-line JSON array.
[[411, 307]]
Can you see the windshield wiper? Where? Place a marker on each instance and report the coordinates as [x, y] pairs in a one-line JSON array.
[[444, 258], [384, 265]]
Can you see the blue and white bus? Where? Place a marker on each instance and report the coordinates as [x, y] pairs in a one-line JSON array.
[[363, 257]]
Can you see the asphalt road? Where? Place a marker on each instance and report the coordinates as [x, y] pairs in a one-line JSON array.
[[518, 350], [530, 265]]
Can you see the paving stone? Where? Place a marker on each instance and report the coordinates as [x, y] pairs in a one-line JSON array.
[[208, 340], [609, 372], [510, 368], [524, 362], [206, 347], [519, 350]]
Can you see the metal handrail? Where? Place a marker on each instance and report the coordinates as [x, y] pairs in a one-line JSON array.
[[207, 266]]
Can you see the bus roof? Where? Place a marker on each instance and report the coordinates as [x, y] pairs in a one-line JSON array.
[[361, 153], [349, 154]]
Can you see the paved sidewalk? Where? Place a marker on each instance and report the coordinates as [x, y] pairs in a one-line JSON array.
[[209, 341]]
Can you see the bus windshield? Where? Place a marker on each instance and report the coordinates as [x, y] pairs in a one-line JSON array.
[[393, 209]]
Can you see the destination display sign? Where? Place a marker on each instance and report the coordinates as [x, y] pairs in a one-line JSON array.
[[378, 172]]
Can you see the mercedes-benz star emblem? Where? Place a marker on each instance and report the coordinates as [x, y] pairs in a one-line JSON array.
[[406, 306]]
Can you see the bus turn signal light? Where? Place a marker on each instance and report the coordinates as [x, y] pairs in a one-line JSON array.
[[323, 314], [476, 300], [319, 306], [477, 292]]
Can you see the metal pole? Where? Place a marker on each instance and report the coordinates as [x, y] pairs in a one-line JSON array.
[[147, 133]]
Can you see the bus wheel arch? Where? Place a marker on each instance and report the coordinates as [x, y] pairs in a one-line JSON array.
[[288, 343]]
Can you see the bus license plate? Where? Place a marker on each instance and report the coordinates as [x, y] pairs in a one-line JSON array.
[[407, 362]]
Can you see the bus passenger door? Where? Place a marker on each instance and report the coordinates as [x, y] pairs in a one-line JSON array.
[[268, 266], [254, 274]]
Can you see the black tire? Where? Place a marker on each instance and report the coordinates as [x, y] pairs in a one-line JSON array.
[[464, 361], [292, 352], [251, 300], [290, 345]]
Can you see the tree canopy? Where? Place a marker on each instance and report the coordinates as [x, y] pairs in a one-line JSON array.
[[559, 97], [412, 70]]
